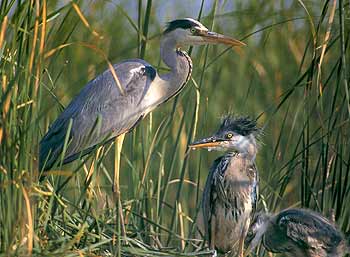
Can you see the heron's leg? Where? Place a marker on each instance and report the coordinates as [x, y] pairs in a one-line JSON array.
[[116, 189]]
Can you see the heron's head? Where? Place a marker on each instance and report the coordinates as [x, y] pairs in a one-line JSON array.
[[191, 32], [256, 230], [236, 134]]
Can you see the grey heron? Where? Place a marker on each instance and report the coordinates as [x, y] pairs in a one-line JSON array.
[[297, 233], [231, 190], [110, 106]]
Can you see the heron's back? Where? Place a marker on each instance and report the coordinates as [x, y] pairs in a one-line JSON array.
[[299, 233], [98, 113]]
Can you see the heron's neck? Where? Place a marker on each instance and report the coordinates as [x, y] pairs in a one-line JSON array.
[[248, 149], [252, 149], [180, 64]]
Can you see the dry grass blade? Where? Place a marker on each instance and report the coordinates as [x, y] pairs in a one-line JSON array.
[[42, 44], [325, 43], [99, 51], [3, 31], [35, 35], [84, 20], [30, 239]]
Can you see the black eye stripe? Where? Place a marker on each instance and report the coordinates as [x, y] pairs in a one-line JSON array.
[[181, 23]]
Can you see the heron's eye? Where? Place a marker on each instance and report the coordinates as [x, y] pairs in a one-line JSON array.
[[193, 30], [229, 135]]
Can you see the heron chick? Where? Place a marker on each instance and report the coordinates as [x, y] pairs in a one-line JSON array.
[[231, 190], [297, 233]]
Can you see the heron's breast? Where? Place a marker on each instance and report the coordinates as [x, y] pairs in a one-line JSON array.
[[233, 209], [155, 95], [228, 228]]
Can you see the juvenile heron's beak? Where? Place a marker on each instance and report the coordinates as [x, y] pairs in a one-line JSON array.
[[213, 37], [206, 142]]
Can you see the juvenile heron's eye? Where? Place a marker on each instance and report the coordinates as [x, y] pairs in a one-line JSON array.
[[193, 30], [229, 135]]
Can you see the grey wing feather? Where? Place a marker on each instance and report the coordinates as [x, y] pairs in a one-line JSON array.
[[307, 229], [218, 167], [207, 200], [100, 112], [255, 191]]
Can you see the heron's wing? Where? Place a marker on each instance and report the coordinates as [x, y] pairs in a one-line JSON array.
[[255, 189], [206, 200], [209, 194], [100, 112], [307, 229]]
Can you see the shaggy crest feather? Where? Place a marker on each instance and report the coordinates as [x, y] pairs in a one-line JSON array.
[[242, 125]]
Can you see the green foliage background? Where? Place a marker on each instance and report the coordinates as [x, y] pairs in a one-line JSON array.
[[293, 75]]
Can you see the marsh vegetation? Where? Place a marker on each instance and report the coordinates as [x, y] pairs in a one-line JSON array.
[[293, 75]]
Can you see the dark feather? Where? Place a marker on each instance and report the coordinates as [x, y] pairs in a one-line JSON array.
[[308, 229], [240, 125], [219, 166], [180, 24], [255, 191]]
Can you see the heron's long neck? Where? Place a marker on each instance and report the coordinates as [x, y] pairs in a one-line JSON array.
[[249, 148], [180, 64]]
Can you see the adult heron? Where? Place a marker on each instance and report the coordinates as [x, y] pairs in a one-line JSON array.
[[231, 190], [297, 233], [114, 102]]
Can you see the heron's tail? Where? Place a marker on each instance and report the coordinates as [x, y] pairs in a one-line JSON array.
[[51, 144]]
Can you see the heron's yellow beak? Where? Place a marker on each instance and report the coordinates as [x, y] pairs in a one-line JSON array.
[[216, 38], [206, 143]]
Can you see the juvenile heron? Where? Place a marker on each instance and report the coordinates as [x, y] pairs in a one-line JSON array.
[[297, 233], [231, 190], [110, 106]]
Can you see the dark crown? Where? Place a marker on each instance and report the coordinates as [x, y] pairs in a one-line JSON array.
[[180, 23], [240, 125]]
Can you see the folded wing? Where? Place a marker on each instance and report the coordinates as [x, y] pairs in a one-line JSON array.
[[99, 113]]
